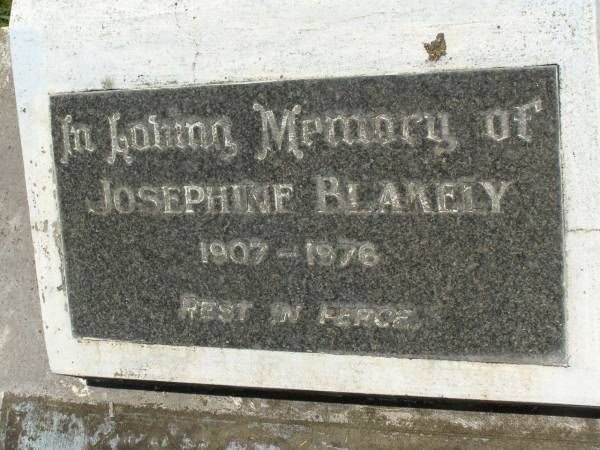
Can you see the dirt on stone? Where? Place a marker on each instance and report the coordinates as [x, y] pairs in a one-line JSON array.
[[436, 48]]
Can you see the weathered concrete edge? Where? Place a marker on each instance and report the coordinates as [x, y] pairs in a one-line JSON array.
[[519, 427], [37, 422], [4, 61]]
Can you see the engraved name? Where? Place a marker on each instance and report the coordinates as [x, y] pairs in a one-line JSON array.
[[331, 196]]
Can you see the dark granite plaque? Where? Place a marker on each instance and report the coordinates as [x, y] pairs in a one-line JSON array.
[[415, 216]]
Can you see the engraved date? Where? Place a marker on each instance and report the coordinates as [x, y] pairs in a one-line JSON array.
[[249, 252], [341, 254], [252, 252]]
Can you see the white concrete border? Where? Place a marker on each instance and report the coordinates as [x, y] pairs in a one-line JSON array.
[[70, 45]]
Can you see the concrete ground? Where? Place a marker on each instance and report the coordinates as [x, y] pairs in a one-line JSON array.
[[41, 410]]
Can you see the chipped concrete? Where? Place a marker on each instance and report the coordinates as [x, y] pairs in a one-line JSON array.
[[42, 410]]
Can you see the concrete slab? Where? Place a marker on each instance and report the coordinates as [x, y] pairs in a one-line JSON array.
[[41, 410], [42, 423]]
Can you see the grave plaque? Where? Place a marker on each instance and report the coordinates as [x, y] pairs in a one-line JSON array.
[[356, 197], [409, 216]]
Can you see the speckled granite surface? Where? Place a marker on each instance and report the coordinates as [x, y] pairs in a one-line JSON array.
[[470, 284]]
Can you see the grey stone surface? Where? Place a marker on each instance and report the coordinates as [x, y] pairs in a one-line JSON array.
[[472, 284], [42, 410]]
